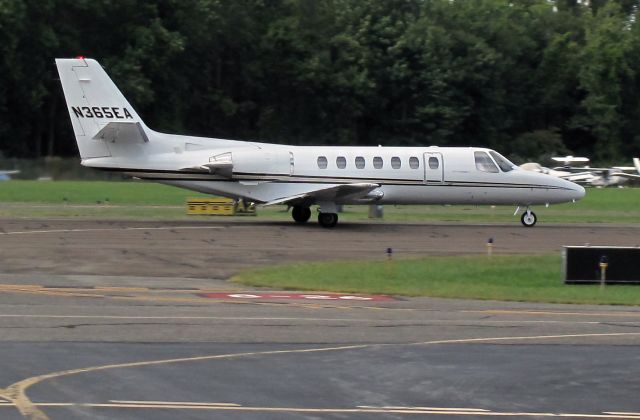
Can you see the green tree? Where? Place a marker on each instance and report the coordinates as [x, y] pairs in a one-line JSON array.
[[605, 74]]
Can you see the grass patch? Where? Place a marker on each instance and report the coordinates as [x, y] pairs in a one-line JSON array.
[[525, 278], [20, 199], [92, 192]]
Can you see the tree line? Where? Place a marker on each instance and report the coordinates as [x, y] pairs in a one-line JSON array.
[[530, 78]]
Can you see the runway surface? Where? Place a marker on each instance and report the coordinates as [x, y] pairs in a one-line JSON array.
[[117, 320]]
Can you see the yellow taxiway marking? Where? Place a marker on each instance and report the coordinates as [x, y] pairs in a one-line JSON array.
[[16, 392], [74, 292], [132, 289], [551, 313], [45, 292], [151, 296], [103, 292], [33, 232]]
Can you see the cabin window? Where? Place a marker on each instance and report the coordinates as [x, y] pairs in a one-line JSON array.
[[377, 162], [395, 162], [484, 162], [414, 162], [434, 162], [322, 162], [502, 162], [341, 162], [360, 162]]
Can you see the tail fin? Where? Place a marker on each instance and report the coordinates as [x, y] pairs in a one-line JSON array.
[[99, 112]]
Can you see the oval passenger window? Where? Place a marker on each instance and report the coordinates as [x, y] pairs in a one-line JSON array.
[[434, 163], [322, 162]]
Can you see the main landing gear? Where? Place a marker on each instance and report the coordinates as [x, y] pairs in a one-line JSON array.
[[301, 214], [327, 216], [328, 220], [528, 218]]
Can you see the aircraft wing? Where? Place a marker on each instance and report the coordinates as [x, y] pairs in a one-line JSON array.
[[332, 193]]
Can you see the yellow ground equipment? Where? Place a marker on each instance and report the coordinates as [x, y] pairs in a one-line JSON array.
[[218, 206]]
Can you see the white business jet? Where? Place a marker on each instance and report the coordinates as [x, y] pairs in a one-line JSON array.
[[112, 137]]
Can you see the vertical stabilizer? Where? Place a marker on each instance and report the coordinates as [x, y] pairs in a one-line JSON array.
[[93, 101]]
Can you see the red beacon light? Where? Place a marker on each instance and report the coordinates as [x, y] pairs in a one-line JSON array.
[[80, 57]]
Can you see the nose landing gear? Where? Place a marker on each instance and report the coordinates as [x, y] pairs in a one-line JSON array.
[[528, 218]]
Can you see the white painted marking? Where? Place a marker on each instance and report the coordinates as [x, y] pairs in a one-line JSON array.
[[422, 408], [186, 403], [361, 409]]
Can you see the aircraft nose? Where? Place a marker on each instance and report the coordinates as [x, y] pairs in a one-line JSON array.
[[575, 191]]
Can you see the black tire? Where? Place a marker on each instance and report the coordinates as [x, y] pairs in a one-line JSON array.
[[327, 220], [528, 219], [301, 214]]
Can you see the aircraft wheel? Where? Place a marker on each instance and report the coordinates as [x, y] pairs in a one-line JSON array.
[[529, 218], [327, 220], [301, 214]]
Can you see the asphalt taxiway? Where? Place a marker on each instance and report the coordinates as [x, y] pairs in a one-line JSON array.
[[91, 328]]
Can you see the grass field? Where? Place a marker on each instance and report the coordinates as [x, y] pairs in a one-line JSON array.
[[136, 199], [512, 278]]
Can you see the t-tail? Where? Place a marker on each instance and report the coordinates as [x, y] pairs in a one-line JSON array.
[[104, 122]]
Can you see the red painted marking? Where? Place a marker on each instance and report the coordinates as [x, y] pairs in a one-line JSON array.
[[300, 296]]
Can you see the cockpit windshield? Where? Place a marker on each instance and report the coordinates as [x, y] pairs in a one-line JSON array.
[[484, 162], [502, 161]]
